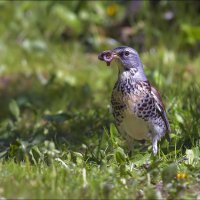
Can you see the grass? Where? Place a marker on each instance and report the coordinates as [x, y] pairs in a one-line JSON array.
[[57, 137]]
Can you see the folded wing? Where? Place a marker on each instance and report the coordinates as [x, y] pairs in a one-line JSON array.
[[161, 110]]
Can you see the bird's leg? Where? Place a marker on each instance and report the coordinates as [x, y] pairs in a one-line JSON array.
[[154, 145], [155, 135], [130, 144]]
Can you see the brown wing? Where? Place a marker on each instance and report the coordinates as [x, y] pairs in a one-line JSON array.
[[161, 109]]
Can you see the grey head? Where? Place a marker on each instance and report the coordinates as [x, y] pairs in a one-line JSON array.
[[129, 62]]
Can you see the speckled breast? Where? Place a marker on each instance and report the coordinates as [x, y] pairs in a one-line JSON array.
[[132, 104]]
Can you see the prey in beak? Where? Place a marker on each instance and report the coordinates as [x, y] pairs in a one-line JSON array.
[[107, 56]]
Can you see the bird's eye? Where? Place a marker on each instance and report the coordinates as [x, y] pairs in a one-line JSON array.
[[126, 53]]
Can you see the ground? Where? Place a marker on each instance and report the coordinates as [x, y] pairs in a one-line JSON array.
[[58, 139]]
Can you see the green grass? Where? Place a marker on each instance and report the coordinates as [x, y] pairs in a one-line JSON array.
[[57, 137]]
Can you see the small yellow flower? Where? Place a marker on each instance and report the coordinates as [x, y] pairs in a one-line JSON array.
[[181, 175], [112, 9]]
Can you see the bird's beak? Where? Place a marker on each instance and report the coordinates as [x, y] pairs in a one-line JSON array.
[[115, 55]]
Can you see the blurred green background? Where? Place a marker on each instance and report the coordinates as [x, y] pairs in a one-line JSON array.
[[100, 24], [55, 95]]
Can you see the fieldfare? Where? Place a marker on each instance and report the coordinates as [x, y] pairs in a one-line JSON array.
[[136, 105]]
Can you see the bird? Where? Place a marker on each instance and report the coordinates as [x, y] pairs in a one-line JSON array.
[[136, 105]]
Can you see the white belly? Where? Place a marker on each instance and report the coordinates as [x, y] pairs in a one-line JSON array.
[[134, 127]]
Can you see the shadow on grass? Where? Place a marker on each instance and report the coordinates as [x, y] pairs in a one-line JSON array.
[[34, 111], [43, 112]]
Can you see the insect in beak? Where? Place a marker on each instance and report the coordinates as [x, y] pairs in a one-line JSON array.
[[107, 56]]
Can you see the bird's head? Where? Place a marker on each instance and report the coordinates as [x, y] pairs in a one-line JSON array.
[[127, 60]]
